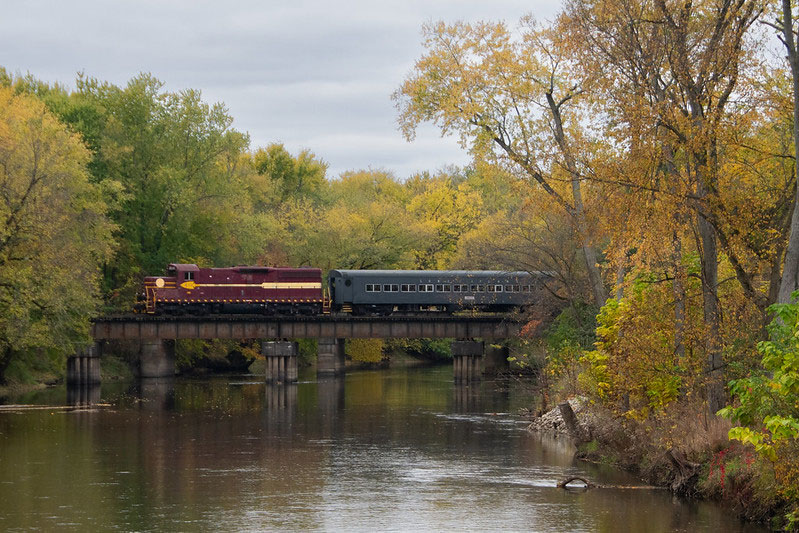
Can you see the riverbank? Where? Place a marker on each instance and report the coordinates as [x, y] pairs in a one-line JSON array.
[[112, 369], [686, 453]]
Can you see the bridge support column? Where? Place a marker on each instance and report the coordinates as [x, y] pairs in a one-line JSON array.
[[330, 357], [157, 359], [281, 361], [496, 360], [83, 368], [467, 359]]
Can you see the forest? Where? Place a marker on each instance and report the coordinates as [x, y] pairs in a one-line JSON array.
[[642, 150]]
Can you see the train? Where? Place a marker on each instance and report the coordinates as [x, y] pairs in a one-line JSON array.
[[189, 289]]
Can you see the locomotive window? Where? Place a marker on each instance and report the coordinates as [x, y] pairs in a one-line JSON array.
[[386, 288], [395, 288], [189, 275], [422, 288], [446, 288], [525, 288], [408, 288], [491, 288], [474, 288], [372, 288], [440, 288], [515, 288], [456, 288], [481, 288]]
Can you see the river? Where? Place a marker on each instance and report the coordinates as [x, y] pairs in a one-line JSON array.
[[395, 450]]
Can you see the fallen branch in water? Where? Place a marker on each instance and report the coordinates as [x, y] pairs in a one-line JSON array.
[[588, 485]]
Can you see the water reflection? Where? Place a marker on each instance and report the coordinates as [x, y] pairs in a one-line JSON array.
[[83, 395], [398, 450], [157, 394], [280, 408]]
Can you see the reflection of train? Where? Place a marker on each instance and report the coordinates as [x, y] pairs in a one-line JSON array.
[[268, 290]]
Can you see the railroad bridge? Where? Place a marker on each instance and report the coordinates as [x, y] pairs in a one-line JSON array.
[[155, 336]]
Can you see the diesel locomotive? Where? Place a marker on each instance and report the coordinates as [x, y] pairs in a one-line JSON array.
[[189, 289]]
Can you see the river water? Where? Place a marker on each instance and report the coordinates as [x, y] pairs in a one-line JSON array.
[[397, 450]]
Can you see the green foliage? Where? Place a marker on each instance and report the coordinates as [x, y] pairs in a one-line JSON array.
[[217, 355], [429, 349], [766, 404], [574, 326], [54, 233], [308, 349], [292, 177], [566, 340], [767, 400]]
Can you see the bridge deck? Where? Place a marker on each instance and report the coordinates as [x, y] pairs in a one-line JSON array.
[[148, 327]]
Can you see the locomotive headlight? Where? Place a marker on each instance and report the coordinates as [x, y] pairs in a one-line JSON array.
[[159, 283]]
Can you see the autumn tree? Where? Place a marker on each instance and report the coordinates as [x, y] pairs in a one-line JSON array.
[[511, 99], [445, 207], [785, 24], [54, 233], [671, 70]]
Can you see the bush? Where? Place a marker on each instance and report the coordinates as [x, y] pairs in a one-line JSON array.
[[429, 349], [365, 350]]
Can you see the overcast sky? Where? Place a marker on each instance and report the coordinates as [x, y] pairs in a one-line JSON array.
[[309, 74]]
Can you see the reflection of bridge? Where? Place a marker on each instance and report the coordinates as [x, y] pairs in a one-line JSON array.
[[155, 336]]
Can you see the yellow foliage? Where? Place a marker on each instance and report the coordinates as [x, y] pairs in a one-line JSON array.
[[365, 350]]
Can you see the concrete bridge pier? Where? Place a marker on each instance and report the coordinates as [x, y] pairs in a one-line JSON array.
[[281, 361], [467, 359], [83, 368], [157, 359], [330, 358]]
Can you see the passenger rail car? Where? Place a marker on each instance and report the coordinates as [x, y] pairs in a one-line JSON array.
[[387, 291], [243, 289]]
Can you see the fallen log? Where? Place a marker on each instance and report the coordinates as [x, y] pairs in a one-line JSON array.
[[588, 485]]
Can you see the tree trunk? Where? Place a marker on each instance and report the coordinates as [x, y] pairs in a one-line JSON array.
[[790, 269], [705, 184], [578, 214], [678, 287], [715, 376]]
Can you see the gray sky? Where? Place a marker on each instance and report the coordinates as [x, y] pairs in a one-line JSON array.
[[309, 74]]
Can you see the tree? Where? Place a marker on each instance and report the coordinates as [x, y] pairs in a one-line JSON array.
[[673, 68], [445, 210], [54, 233], [295, 177], [511, 98], [177, 159], [785, 27]]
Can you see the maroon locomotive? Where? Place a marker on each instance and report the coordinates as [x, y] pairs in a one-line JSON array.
[[240, 289]]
